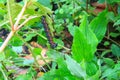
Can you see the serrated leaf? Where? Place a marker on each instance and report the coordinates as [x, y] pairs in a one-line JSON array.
[[99, 25], [115, 50], [75, 68]]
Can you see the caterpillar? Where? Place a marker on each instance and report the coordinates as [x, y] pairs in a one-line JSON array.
[[47, 31]]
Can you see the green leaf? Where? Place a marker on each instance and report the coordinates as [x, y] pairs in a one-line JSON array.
[[115, 50], [108, 72], [36, 51], [9, 52], [71, 29], [23, 62], [24, 77], [58, 74], [57, 57], [91, 68], [62, 73], [109, 62], [16, 41], [106, 43], [84, 42], [98, 72], [45, 3], [117, 23], [29, 36], [2, 56], [99, 25], [14, 9], [75, 68], [1, 40], [17, 49], [59, 42]]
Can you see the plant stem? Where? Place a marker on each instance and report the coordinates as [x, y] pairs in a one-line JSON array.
[[6, 41], [5, 77], [20, 16], [9, 13], [28, 19], [113, 41]]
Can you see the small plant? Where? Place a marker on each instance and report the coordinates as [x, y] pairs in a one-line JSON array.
[[59, 40]]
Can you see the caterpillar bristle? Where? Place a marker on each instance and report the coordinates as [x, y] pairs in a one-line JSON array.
[[47, 31]]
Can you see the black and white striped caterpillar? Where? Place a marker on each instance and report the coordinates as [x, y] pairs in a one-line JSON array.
[[48, 34]]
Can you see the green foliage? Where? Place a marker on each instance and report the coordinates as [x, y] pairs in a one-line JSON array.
[[99, 26], [75, 68], [84, 43], [115, 50], [91, 56]]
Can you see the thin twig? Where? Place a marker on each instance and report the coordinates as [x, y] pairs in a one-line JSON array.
[[6, 41], [3, 23], [112, 41], [20, 16], [9, 13], [28, 19], [5, 77]]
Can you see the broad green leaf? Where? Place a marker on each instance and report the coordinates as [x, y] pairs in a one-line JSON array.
[[79, 46], [91, 68], [99, 25], [115, 50], [62, 73], [84, 42], [92, 41], [58, 74], [98, 72], [75, 68]]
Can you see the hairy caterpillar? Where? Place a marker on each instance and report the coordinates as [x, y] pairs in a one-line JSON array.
[[47, 31]]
